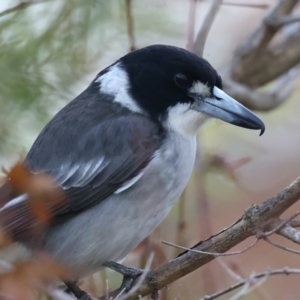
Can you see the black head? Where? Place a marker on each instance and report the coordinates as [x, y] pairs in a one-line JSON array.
[[172, 85], [161, 76]]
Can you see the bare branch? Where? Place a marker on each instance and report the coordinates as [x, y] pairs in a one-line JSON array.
[[205, 27], [228, 269], [266, 30], [295, 223], [285, 271], [257, 219], [130, 29], [264, 101], [282, 224], [288, 20], [255, 62], [181, 222], [258, 69], [290, 233], [254, 66], [191, 25], [251, 98], [251, 285], [21, 6]]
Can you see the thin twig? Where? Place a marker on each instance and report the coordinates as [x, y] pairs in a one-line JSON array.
[[130, 28], [205, 27], [181, 223], [191, 25], [107, 290], [281, 247], [120, 294], [248, 5], [282, 224], [209, 281], [243, 290], [211, 253], [285, 271], [229, 270], [248, 288], [21, 6]]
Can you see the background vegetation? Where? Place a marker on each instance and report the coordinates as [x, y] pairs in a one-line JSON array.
[[51, 50]]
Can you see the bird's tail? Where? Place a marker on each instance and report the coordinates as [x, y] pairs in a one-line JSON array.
[[13, 211]]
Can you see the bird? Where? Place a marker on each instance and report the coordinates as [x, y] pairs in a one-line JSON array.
[[122, 152]]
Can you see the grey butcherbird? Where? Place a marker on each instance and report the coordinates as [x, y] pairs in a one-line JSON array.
[[123, 152]]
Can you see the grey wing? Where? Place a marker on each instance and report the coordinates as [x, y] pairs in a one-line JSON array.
[[90, 152], [102, 160]]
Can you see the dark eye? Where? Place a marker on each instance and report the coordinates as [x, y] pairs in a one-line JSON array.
[[182, 81]]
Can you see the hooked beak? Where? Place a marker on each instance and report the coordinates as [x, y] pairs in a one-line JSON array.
[[225, 108]]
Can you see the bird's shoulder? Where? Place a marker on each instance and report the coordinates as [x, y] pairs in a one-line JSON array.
[[96, 143]]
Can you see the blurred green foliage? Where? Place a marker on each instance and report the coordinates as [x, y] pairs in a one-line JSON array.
[[45, 51]]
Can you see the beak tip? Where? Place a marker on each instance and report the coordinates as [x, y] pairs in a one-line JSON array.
[[262, 128]]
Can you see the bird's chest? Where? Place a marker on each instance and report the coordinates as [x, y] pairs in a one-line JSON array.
[[163, 181], [111, 229]]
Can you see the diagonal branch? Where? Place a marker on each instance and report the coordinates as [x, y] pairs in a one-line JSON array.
[[288, 20], [205, 27], [271, 63], [266, 30], [255, 221], [290, 233], [266, 100], [267, 274], [191, 25], [258, 60]]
